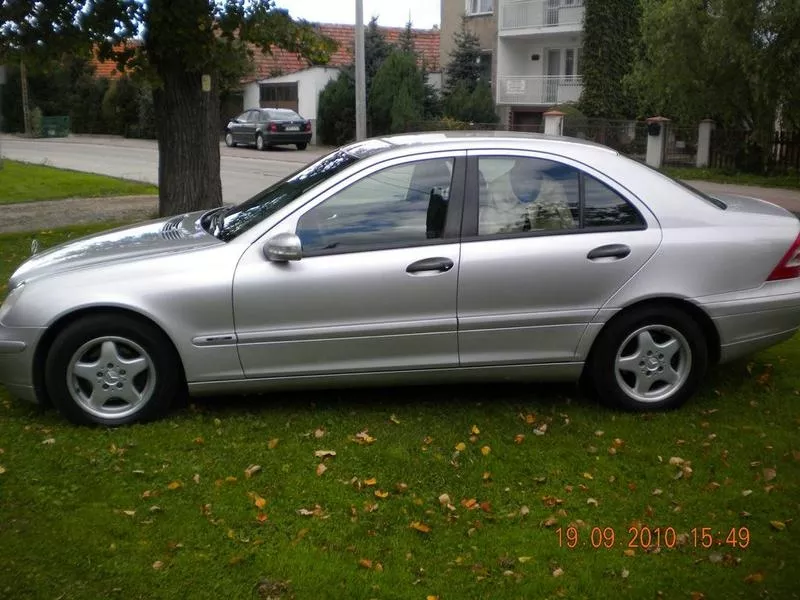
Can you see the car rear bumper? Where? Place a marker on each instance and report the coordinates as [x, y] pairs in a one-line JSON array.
[[755, 319], [16, 361], [288, 137]]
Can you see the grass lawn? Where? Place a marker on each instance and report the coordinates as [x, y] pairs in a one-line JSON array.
[[25, 182], [226, 498], [722, 176]]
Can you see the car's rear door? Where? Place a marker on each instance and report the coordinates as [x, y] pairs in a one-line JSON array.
[[376, 288], [537, 267]]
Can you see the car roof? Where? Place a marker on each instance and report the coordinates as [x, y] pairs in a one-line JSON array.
[[490, 137]]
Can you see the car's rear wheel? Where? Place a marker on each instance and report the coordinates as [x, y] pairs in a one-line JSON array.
[[260, 143], [229, 140], [112, 370], [302, 146], [650, 358]]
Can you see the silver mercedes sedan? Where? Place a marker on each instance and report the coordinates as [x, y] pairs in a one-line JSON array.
[[410, 259]]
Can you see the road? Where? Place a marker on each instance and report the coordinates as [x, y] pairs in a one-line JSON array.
[[245, 171]]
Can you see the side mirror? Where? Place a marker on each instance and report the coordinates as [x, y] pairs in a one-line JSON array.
[[283, 247]]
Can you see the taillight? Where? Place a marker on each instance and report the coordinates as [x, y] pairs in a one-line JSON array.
[[273, 127], [789, 267], [308, 125]]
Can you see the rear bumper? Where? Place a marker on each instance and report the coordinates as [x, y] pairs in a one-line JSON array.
[[756, 319], [16, 360], [289, 137]]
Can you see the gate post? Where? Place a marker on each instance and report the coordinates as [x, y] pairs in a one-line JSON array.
[[657, 131], [554, 122], [704, 143]]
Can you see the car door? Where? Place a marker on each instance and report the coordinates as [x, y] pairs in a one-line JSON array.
[[545, 245], [237, 126], [376, 287]]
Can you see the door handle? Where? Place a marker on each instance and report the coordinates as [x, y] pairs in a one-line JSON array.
[[438, 263], [615, 251]]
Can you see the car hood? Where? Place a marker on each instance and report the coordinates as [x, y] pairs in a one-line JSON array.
[[162, 236]]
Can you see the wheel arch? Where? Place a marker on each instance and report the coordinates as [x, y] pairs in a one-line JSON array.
[[57, 326]]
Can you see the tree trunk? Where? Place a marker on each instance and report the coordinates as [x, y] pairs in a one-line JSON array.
[[187, 127]]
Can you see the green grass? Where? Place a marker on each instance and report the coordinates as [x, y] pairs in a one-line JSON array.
[[88, 513], [25, 182], [723, 176]]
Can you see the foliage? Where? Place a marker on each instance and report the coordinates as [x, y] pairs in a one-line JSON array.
[[25, 182], [454, 491], [336, 110], [376, 50], [733, 61], [405, 41], [474, 105], [397, 94], [610, 34], [463, 70]]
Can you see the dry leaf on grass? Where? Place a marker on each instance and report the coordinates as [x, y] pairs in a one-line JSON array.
[[321, 469], [421, 527], [251, 470], [272, 444], [324, 453]]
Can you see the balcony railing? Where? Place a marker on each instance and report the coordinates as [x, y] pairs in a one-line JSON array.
[[538, 90], [541, 14]]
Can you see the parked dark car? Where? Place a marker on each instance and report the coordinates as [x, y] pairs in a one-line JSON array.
[[267, 127]]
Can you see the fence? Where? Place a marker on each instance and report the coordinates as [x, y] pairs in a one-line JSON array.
[[681, 147], [626, 137], [738, 150]]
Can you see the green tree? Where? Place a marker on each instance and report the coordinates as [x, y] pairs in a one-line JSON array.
[[464, 67], [405, 41], [610, 35], [398, 86], [471, 106], [336, 112], [376, 50], [189, 49]]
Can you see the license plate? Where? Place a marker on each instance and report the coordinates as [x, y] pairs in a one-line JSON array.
[[292, 128]]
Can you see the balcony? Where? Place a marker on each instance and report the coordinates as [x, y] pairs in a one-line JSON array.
[[540, 16], [543, 90]]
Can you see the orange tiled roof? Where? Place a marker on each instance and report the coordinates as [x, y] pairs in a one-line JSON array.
[[426, 43]]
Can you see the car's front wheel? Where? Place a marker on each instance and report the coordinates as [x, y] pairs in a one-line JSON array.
[[229, 140], [651, 358], [112, 370]]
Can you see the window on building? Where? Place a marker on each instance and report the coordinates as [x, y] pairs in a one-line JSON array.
[[277, 93], [479, 7]]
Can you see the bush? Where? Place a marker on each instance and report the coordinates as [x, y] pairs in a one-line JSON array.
[[397, 94], [336, 115], [476, 105]]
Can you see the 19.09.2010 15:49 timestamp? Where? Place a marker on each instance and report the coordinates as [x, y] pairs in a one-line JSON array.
[[653, 537]]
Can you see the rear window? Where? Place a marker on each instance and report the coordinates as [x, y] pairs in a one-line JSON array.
[[283, 114]]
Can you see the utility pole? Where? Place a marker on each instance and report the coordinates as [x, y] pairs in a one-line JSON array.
[[361, 75], [26, 109]]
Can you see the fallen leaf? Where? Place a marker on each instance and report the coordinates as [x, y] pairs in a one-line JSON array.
[[630, 552], [486, 450], [2, 469], [272, 444], [130, 513], [487, 476], [746, 492], [444, 499], [158, 565], [370, 481], [258, 500], [196, 478], [524, 559], [175, 485], [524, 511], [319, 432], [365, 563], [676, 461], [697, 596], [49, 441], [394, 420], [486, 506], [363, 438], [592, 501], [530, 419], [599, 433], [519, 438], [549, 522], [588, 476], [541, 429], [461, 446], [778, 525], [401, 487], [381, 494], [770, 474], [321, 469], [261, 517], [558, 572], [715, 557], [198, 440], [657, 492], [313, 512], [625, 573], [430, 597], [324, 453], [427, 440], [475, 430], [469, 503], [421, 527], [756, 577], [251, 470]]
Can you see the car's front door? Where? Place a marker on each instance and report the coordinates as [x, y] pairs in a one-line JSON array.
[[545, 246], [237, 127], [376, 287]]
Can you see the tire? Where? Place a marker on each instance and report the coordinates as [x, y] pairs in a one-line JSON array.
[[261, 144], [651, 358], [86, 365], [229, 140], [302, 146]]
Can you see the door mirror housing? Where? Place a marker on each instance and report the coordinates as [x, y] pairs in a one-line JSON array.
[[283, 248]]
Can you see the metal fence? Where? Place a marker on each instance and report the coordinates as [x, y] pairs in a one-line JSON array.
[[681, 147], [626, 137], [739, 150]]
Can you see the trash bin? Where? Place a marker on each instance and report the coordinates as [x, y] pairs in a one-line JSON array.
[[54, 127]]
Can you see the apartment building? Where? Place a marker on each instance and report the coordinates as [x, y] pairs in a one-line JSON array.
[[531, 49]]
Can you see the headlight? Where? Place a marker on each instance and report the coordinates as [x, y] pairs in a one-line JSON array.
[[11, 300]]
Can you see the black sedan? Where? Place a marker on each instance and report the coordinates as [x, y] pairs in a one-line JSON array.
[[267, 127]]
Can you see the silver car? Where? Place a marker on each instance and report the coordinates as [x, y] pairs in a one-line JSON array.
[[409, 259]]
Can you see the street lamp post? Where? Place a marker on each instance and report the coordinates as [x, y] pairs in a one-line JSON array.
[[361, 84]]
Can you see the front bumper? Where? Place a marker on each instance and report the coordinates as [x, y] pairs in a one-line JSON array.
[[756, 319], [16, 360]]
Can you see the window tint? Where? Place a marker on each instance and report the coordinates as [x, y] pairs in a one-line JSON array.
[[252, 116], [401, 205], [526, 194], [603, 207]]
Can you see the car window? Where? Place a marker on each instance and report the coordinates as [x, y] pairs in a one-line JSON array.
[[603, 207], [284, 114], [519, 194], [264, 116], [243, 117], [397, 206], [252, 116]]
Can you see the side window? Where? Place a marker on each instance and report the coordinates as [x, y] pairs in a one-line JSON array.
[[252, 116], [603, 207], [242, 117], [399, 206], [520, 194]]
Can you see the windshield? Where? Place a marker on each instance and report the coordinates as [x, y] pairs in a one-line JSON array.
[[228, 223]]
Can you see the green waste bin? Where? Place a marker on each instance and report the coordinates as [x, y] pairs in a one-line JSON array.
[[53, 127]]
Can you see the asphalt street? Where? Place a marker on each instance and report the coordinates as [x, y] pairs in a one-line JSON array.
[[245, 171]]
